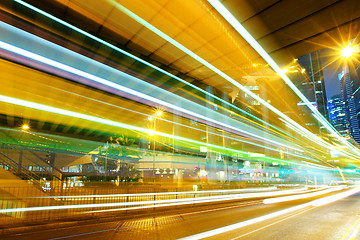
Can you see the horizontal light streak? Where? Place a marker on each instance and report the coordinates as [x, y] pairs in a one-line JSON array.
[[213, 68], [330, 199], [138, 59], [115, 48], [105, 82], [300, 196], [300, 164], [101, 120], [113, 123], [168, 205], [183, 125], [166, 193], [317, 165], [179, 201], [235, 226], [187, 126]]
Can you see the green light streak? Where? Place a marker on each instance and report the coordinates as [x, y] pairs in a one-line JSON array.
[[142, 61]]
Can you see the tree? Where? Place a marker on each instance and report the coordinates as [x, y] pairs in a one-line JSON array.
[[118, 156]]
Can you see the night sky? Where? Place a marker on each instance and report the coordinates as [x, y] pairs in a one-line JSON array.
[[330, 71]]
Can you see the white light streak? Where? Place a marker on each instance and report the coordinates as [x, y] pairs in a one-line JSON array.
[[178, 201], [138, 59], [97, 79], [247, 36], [232, 227], [165, 193], [301, 196]]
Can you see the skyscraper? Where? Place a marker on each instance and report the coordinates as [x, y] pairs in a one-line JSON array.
[[314, 87], [311, 84], [349, 81], [337, 117]]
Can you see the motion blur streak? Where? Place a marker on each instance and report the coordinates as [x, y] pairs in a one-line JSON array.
[[166, 193], [301, 196], [334, 198], [96, 119], [247, 36], [177, 201], [92, 77], [138, 59], [109, 122], [176, 204], [306, 132], [314, 203], [310, 135]]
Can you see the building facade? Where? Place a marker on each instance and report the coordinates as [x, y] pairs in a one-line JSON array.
[[337, 117], [349, 82]]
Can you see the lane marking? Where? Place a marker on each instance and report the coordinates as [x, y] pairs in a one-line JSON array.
[[315, 203], [304, 211], [350, 229]]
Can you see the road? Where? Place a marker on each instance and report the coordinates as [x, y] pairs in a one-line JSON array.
[[337, 220]]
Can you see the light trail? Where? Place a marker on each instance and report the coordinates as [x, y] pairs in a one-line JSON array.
[[235, 226], [273, 223], [164, 193], [111, 84], [138, 59], [117, 124], [330, 199], [317, 140], [301, 196], [183, 125], [182, 201], [103, 121], [309, 135], [247, 36]]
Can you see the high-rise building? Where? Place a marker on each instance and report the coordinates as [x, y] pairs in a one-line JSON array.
[[314, 87], [337, 117], [311, 83], [349, 81]]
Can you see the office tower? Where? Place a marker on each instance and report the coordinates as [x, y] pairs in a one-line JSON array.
[[349, 81], [310, 81], [314, 87], [337, 117]]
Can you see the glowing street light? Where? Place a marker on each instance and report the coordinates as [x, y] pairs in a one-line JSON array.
[[158, 113], [152, 133], [347, 51], [25, 127]]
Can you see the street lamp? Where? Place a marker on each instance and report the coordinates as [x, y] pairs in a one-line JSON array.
[[152, 132], [347, 52], [25, 127]]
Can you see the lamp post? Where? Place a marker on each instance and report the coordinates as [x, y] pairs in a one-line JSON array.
[[25, 127], [153, 118]]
